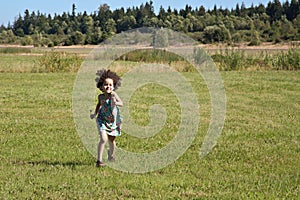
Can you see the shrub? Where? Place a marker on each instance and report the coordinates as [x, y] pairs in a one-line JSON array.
[[230, 59], [27, 40], [57, 62], [151, 56], [238, 60], [289, 60]]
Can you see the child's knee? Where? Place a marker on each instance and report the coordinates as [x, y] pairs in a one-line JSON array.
[[103, 137], [103, 141]]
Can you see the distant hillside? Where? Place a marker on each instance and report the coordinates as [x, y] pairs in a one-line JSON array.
[[275, 22]]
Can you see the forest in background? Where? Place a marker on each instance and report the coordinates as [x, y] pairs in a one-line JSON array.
[[275, 22]]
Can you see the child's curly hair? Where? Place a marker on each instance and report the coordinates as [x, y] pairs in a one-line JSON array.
[[104, 74]]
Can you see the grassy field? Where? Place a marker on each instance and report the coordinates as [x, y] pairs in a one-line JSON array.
[[257, 155]]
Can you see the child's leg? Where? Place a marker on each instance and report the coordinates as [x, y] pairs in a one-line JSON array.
[[112, 145], [101, 145]]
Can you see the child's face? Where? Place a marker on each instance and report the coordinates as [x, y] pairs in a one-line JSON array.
[[108, 86]]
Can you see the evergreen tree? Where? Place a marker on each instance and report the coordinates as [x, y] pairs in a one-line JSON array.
[[274, 10], [201, 11], [162, 13], [237, 10], [260, 9], [291, 10]]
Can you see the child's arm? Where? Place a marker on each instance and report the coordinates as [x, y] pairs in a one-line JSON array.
[[117, 100], [98, 106]]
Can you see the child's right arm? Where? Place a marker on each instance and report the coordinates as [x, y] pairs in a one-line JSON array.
[[98, 106]]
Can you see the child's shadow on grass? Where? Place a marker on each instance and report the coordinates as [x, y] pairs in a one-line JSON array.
[[52, 163]]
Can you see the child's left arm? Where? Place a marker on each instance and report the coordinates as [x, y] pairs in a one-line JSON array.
[[117, 100]]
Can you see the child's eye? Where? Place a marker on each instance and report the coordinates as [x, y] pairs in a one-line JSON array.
[[108, 85]]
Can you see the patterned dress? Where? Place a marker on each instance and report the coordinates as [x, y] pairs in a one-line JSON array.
[[109, 118]]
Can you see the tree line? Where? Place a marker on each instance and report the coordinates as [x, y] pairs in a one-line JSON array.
[[275, 22]]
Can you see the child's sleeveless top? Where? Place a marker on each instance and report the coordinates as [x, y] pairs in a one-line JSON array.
[[109, 118]]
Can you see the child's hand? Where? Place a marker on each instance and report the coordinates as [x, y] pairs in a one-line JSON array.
[[92, 116]]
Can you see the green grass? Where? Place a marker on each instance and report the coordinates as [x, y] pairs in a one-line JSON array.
[[19, 63], [14, 50], [257, 155]]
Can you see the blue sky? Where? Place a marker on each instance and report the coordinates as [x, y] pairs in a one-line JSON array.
[[12, 8]]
